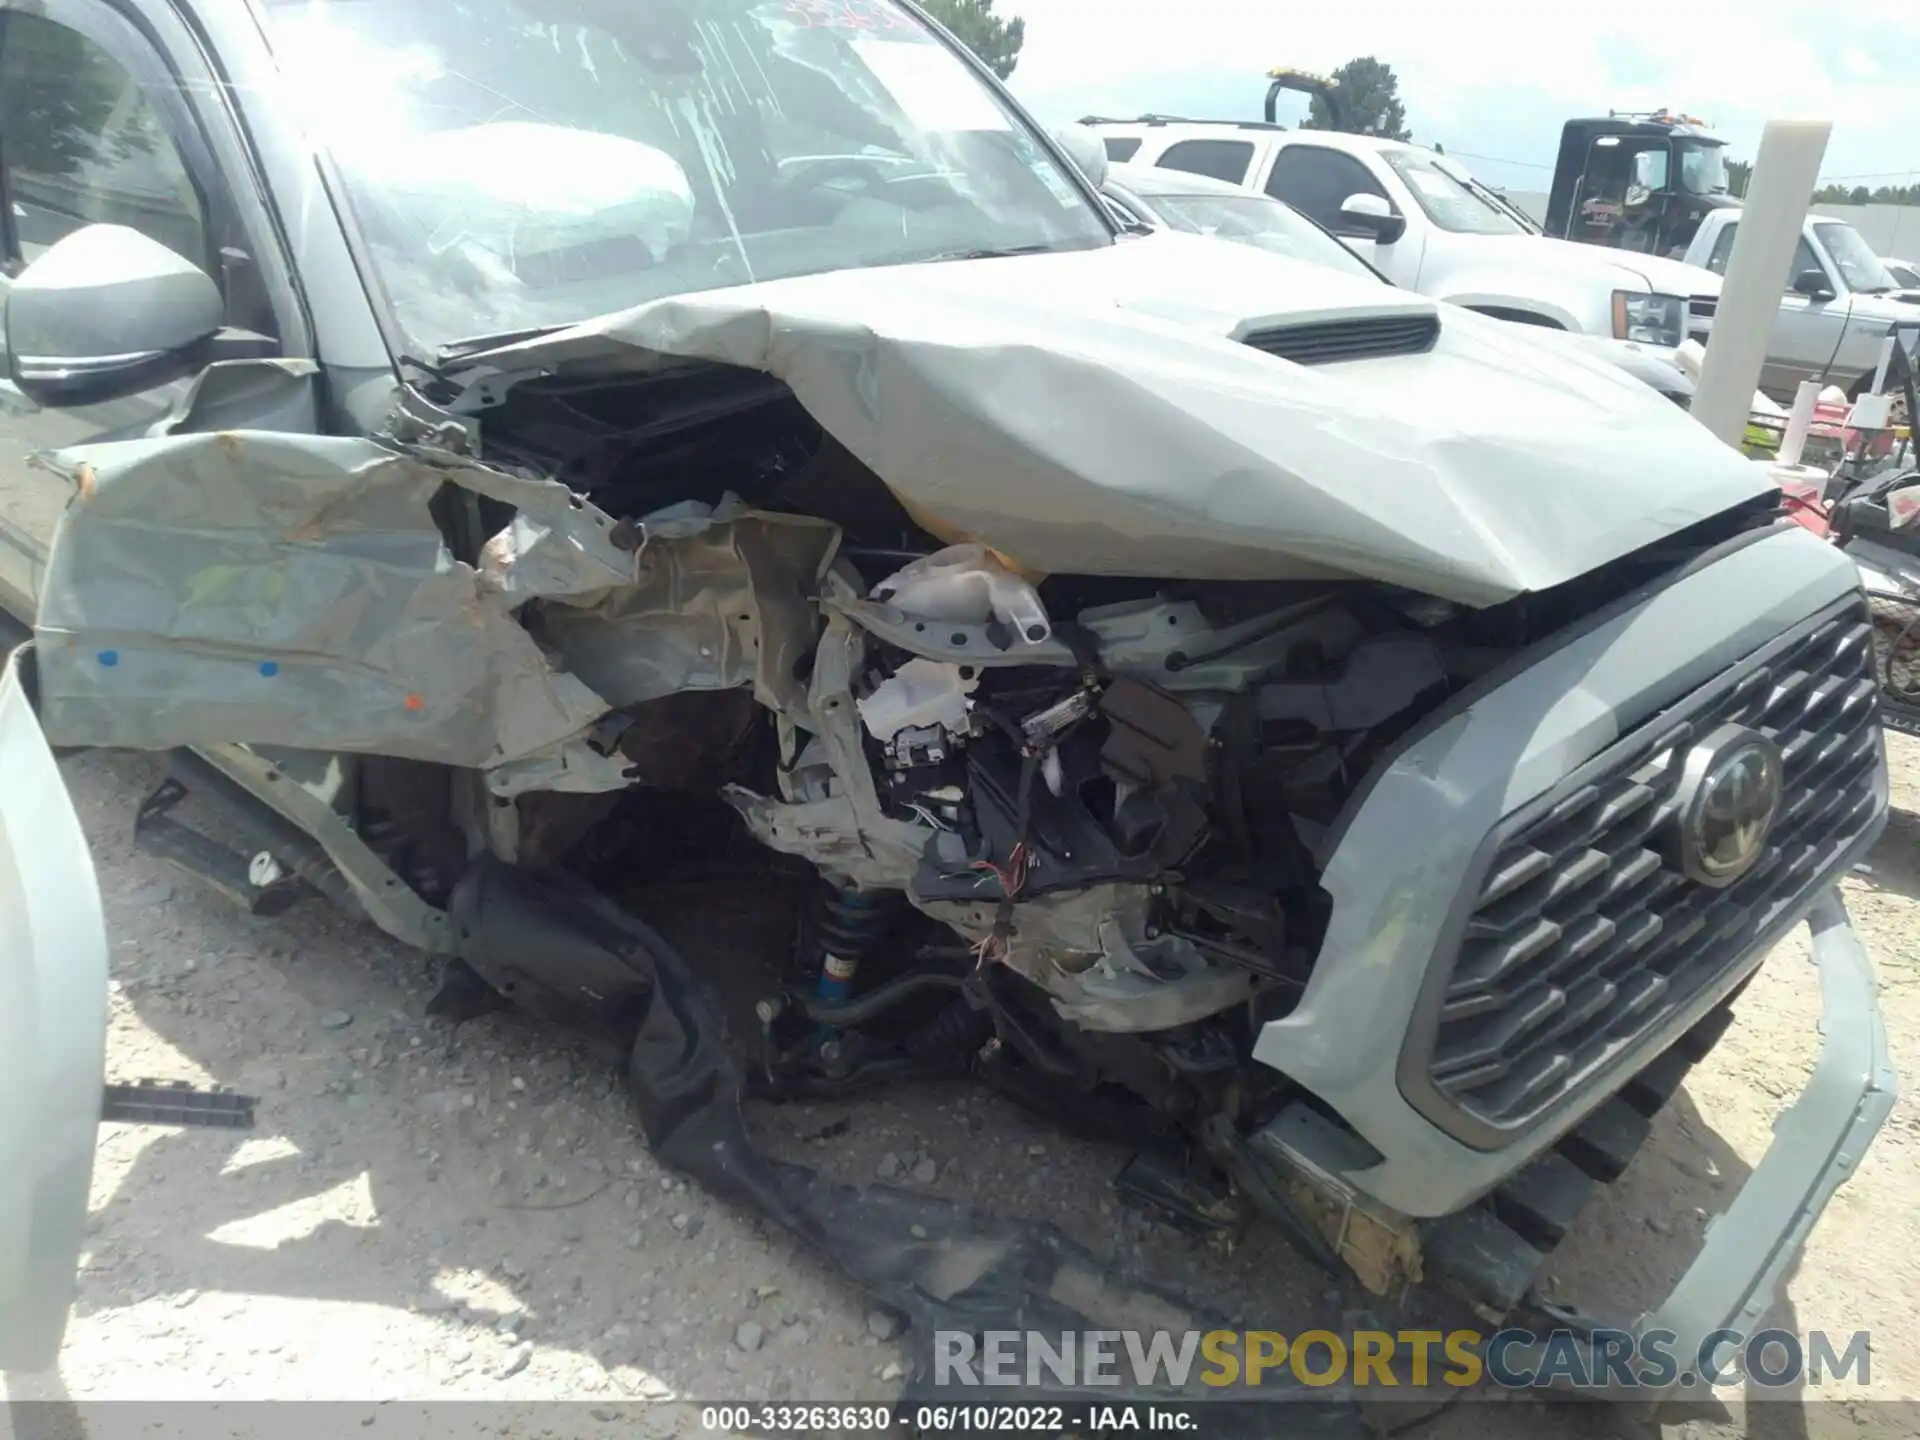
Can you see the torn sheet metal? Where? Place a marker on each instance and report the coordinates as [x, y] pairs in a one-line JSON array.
[[1097, 412], [267, 394], [837, 825], [719, 602], [292, 590]]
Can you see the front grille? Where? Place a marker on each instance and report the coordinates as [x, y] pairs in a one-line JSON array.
[[1586, 934], [1329, 342]]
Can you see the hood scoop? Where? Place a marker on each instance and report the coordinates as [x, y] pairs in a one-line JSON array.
[[1332, 342]]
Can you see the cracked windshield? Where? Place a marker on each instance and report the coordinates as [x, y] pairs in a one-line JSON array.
[[516, 166]]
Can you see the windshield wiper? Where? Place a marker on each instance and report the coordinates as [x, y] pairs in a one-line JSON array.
[[988, 253], [474, 344], [1503, 205]]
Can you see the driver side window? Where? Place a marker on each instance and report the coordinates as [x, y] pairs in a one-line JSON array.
[[1218, 159], [1803, 256], [1722, 251], [1803, 259], [1316, 181], [82, 144]]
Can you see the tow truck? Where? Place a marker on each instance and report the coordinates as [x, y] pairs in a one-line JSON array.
[[1639, 181]]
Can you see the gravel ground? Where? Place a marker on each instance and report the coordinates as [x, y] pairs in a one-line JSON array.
[[424, 1215]]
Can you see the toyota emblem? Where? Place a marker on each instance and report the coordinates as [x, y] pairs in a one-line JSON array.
[[1729, 796]]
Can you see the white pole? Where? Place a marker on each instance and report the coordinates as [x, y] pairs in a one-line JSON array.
[[1778, 194], [1793, 440]]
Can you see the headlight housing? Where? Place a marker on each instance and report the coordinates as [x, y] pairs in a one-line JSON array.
[[1650, 319]]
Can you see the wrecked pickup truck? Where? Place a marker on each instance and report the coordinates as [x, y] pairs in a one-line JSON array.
[[513, 451]]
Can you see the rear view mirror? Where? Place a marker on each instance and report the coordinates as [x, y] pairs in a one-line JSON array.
[[1372, 215], [1087, 151], [103, 312], [1813, 284]]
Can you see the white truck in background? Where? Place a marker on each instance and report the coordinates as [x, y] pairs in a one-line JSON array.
[[1839, 303], [1428, 225]]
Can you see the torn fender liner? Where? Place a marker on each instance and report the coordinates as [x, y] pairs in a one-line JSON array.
[[1100, 412], [948, 1268]]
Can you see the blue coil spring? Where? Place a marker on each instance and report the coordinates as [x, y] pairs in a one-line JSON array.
[[845, 927]]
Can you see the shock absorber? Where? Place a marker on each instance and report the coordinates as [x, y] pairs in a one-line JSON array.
[[846, 926]]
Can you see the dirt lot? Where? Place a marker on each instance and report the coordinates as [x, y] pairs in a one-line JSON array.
[[424, 1214]]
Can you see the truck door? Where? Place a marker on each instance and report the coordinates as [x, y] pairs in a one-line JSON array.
[[1317, 180], [1810, 327], [97, 133], [1599, 197], [1644, 205]]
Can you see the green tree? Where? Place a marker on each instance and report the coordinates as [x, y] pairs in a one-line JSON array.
[[1369, 100], [997, 42]]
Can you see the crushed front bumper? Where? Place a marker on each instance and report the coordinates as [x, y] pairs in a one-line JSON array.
[[1817, 1145]]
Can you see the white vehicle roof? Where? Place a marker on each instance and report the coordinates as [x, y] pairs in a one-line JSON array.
[[1213, 129]]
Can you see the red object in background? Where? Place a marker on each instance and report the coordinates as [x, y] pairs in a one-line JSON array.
[[1830, 423], [1878, 448], [1803, 503]]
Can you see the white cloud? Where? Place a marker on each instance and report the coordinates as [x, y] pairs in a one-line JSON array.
[[1736, 64]]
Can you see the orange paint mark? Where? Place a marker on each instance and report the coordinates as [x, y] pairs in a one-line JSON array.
[[416, 702]]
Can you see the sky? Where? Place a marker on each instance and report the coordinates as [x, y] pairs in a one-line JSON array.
[[1493, 80]]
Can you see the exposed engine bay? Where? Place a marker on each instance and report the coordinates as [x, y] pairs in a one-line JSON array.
[[1065, 829], [553, 655]]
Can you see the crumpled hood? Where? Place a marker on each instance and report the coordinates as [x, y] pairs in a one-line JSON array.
[[1096, 412]]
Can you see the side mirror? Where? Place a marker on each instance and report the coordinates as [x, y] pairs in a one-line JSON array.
[[1372, 215], [103, 312], [1087, 151], [1813, 284]]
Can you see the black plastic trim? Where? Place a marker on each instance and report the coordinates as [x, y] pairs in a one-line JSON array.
[[1527, 657]]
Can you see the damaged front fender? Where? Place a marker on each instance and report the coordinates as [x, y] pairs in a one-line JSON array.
[[259, 587]]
